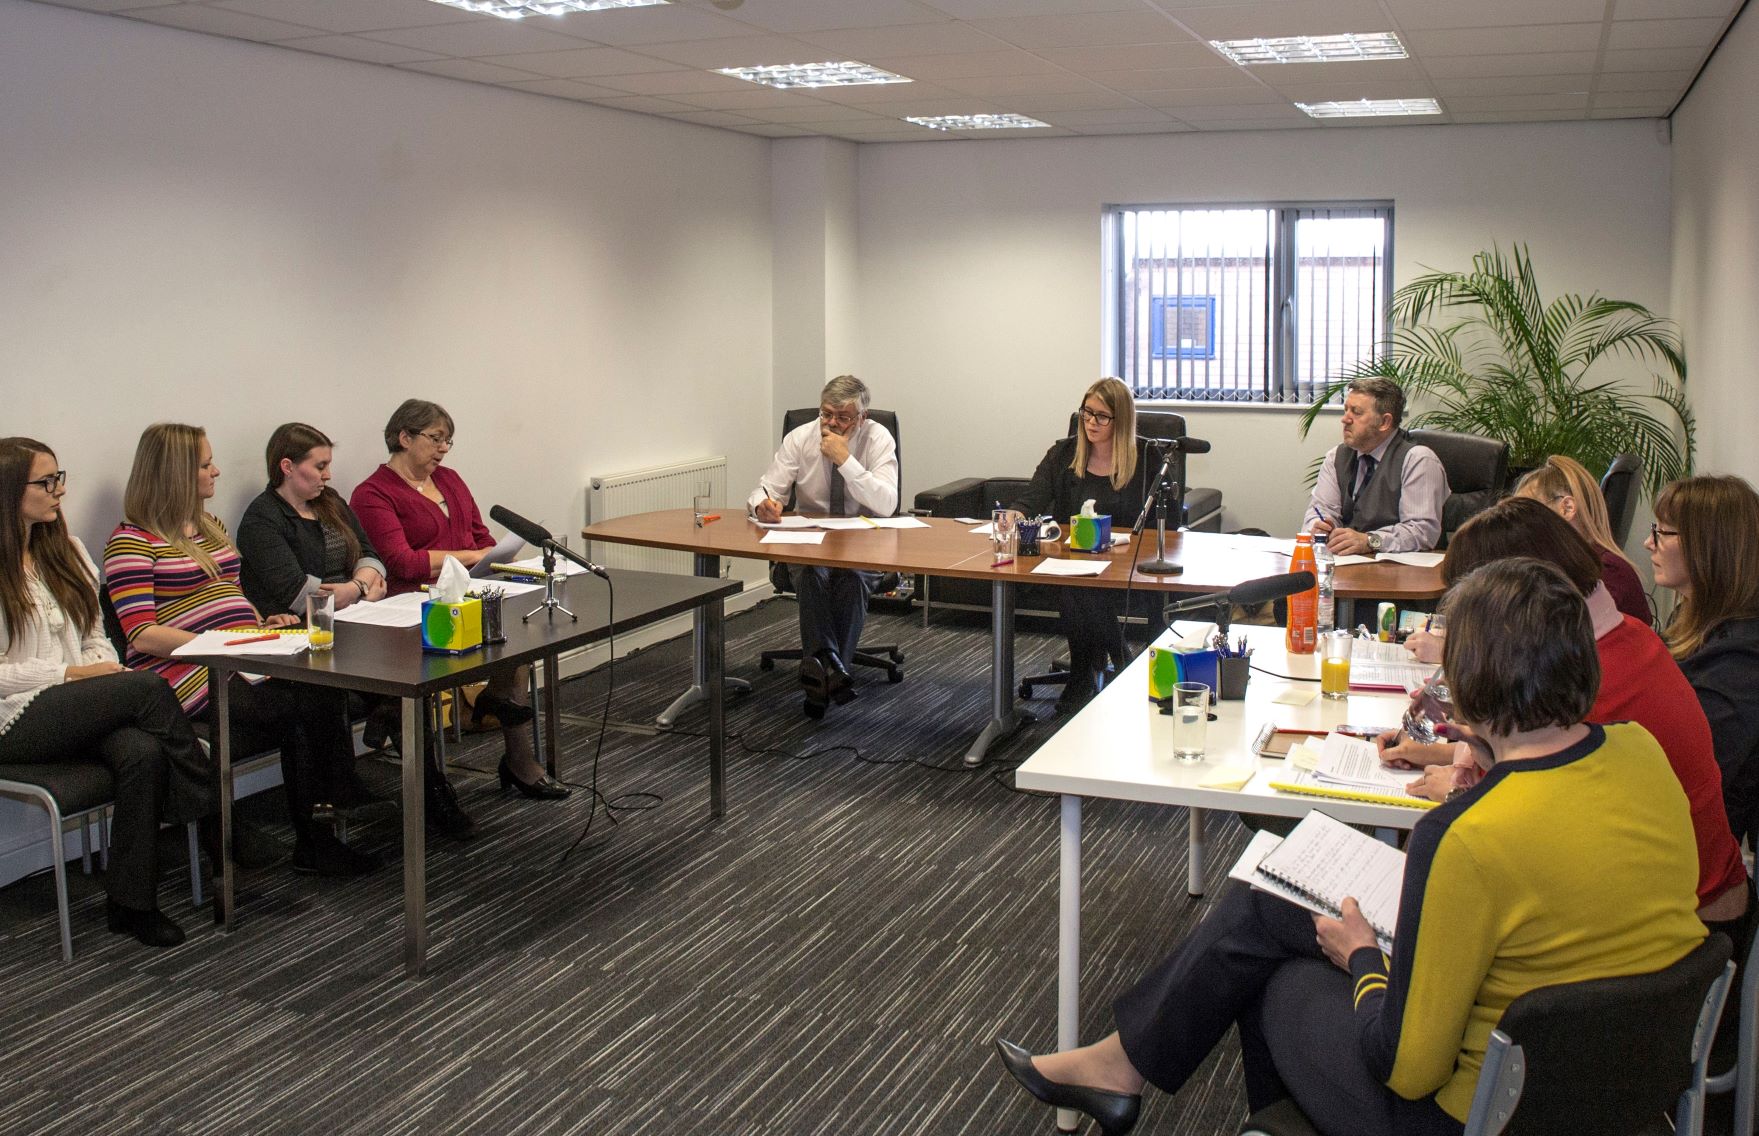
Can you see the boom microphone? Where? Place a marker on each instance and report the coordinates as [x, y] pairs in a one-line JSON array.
[[533, 533], [1248, 593]]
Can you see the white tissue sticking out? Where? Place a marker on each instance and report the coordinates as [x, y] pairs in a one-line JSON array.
[[1087, 508], [454, 581]]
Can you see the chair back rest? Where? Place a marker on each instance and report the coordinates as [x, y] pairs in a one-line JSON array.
[[1477, 471], [1619, 487], [112, 624], [1613, 1055]]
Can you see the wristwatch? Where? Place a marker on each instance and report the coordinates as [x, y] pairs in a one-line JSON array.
[[1453, 795], [1374, 543]]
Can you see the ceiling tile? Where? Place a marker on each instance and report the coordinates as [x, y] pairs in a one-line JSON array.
[[1513, 84], [1676, 81], [1173, 100], [1677, 9], [1376, 72], [1628, 99], [1299, 122], [1054, 83], [219, 21], [1349, 92], [646, 104], [713, 118], [1654, 59], [1089, 29], [1270, 113], [791, 16], [108, 5], [951, 104], [346, 16], [1663, 33], [1618, 112], [1465, 104], [1137, 128], [353, 47], [1538, 63], [1142, 57], [1526, 116], [689, 82], [881, 93], [624, 27], [485, 36], [473, 70], [1011, 61], [1220, 76], [1416, 15], [1285, 18], [979, 9], [811, 111], [1084, 118], [1039, 105], [563, 89], [745, 51], [580, 63], [904, 40], [774, 130], [752, 98], [1510, 40]]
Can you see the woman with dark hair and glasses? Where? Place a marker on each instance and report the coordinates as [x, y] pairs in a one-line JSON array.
[[64, 696], [1098, 463], [1492, 906], [416, 512], [1704, 545]]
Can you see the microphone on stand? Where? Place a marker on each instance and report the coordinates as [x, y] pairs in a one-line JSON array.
[[1247, 593], [533, 533]]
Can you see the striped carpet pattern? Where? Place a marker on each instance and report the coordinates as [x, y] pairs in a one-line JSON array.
[[833, 956]]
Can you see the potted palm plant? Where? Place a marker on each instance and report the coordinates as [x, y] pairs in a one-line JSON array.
[[1483, 353]]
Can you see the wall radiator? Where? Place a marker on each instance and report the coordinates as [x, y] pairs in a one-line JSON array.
[[643, 491]]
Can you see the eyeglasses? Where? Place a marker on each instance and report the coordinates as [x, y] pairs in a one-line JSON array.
[[1656, 532], [839, 420], [51, 483], [439, 440], [1097, 417]]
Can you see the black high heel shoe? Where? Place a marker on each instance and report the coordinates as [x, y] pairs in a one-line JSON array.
[[506, 712], [545, 788], [1115, 1112], [151, 928]]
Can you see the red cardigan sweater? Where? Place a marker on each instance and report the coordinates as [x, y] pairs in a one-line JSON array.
[[403, 525]]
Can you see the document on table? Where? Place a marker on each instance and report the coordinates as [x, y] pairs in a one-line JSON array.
[[393, 611], [792, 521], [789, 536], [1414, 559], [850, 524], [904, 522], [505, 549], [1386, 666], [1354, 763], [226, 642], [1071, 567]]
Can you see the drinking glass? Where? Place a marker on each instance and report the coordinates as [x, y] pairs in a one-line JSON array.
[[320, 621], [1004, 536], [1334, 664], [1190, 720]]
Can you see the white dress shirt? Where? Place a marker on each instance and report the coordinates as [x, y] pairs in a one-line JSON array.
[[870, 475]]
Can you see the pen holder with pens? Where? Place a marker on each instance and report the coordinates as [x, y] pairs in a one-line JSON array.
[[1234, 671], [491, 600]]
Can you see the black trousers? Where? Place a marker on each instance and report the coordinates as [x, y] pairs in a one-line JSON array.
[[132, 722], [1090, 624], [833, 608], [309, 724], [1254, 963]]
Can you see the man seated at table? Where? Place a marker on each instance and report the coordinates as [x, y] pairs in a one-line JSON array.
[[1377, 491], [841, 465]]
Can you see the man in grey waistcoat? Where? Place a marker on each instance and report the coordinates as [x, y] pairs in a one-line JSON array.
[[1377, 492]]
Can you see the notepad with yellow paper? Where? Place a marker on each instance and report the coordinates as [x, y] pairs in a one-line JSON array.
[[1350, 769]]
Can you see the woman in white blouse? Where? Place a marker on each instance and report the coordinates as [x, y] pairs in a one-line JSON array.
[[64, 696]]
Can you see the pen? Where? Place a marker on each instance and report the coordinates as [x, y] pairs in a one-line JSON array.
[[251, 639], [710, 518]]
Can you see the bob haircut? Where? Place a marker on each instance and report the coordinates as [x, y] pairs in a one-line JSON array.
[[412, 417], [1519, 652], [1521, 526]]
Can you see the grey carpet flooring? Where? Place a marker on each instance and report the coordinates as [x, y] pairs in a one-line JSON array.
[[832, 956]]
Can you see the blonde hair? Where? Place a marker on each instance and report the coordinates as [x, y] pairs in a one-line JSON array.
[[1562, 476], [161, 494], [1718, 522], [1122, 408]]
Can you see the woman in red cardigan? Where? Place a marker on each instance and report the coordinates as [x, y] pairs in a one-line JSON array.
[[416, 512]]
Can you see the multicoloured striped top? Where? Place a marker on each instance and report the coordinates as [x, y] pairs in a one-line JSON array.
[[151, 582]]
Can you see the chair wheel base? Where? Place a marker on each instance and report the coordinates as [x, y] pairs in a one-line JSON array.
[[894, 675], [814, 710], [766, 664]]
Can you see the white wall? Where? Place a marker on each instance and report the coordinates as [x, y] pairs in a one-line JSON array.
[[980, 265], [1716, 246]]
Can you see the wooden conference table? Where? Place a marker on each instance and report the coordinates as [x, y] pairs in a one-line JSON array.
[[390, 661], [1120, 747], [1212, 562]]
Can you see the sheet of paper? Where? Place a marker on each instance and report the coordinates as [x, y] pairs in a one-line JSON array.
[[905, 522], [789, 521], [985, 529], [393, 611], [1327, 861], [1415, 559], [1296, 696], [783, 536], [847, 524], [505, 550], [1071, 567], [1346, 561], [1247, 543], [226, 643], [1257, 849], [1354, 763], [971, 520], [510, 587]]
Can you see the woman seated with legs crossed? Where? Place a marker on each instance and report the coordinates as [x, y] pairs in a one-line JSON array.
[[172, 572], [64, 697], [1493, 905]]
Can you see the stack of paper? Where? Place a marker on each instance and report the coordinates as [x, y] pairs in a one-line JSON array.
[[243, 641]]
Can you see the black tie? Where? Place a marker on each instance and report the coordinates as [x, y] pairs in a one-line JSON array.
[[839, 504], [1365, 469]]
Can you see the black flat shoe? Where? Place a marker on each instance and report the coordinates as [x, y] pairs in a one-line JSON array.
[[839, 683], [1115, 1112], [545, 788], [321, 854], [505, 712], [149, 927]]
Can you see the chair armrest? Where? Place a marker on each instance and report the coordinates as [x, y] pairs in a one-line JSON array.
[[962, 498]]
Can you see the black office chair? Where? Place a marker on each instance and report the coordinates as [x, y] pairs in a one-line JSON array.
[[1611, 1056], [888, 657], [1620, 486], [1478, 474]]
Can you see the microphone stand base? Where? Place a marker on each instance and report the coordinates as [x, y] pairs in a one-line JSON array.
[[1160, 567]]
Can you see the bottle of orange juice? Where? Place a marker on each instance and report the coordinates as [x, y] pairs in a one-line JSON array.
[[1303, 629]]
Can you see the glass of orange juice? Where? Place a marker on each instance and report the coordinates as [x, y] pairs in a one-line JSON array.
[[1334, 664], [320, 621]]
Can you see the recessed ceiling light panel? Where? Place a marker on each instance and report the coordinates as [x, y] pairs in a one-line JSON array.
[[793, 75], [1351, 46], [978, 122], [519, 9], [1371, 108]]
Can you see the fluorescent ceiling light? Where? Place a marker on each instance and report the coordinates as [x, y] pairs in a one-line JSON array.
[[978, 122], [519, 9], [1371, 108], [1312, 49], [788, 75]]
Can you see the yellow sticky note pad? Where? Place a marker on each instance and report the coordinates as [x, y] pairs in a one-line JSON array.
[[1227, 777], [1295, 696]]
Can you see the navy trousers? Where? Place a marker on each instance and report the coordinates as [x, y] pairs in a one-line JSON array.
[[833, 608]]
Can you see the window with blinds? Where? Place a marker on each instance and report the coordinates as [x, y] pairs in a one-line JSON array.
[[1244, 304]]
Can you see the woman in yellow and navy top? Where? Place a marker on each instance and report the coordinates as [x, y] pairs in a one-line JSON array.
[[1515, 884]]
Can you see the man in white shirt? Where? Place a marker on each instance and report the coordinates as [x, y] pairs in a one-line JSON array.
[[1377, 491], [841, 465]]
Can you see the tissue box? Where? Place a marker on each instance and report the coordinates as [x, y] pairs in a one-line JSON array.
[[1090, 534], [1169, 665], [452, 628]]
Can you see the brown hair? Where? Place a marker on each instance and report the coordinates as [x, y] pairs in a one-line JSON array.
[[1122, 406], [1562, 477], [1388, 396], [1519, 653], [57, 562], [161, 493], [1718, 521], [295, 441], [412, 417], [1520, 526]]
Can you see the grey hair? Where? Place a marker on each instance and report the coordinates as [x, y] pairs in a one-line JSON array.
[[414, 416], [843, 390]]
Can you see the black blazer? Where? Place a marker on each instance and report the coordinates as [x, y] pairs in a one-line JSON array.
[[284, 553], [1055, 490]]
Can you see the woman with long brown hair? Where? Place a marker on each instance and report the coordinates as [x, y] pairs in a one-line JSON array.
[[1704, 545], [64, 696], [172, 572]]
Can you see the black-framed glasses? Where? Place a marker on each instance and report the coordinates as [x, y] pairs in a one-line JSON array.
[[1097, 417], [1656, 532], [51, 483], [839, 420], [440, 440]]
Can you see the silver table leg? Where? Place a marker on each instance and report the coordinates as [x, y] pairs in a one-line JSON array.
[[1069, 943], [1002, 715], [1194, 855], [709, 566], [225, 874], [712, 645], [415, 878]]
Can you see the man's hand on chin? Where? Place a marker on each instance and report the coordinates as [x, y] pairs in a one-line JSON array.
[[1348, 542], [834, 447]]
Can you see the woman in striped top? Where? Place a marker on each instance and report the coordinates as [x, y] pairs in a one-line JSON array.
[[64, 697], [172, 572]]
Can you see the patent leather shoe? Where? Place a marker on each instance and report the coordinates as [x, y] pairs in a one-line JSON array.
[[545, 788], [1114, 1112], [151, 928], [839, 683], [505, 711]]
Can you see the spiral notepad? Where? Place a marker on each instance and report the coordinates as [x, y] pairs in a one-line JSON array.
[[1322, 862]]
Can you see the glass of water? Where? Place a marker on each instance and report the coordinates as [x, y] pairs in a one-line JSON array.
[[1190, 720]]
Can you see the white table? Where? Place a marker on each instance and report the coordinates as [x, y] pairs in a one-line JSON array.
[[1120, 746]]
